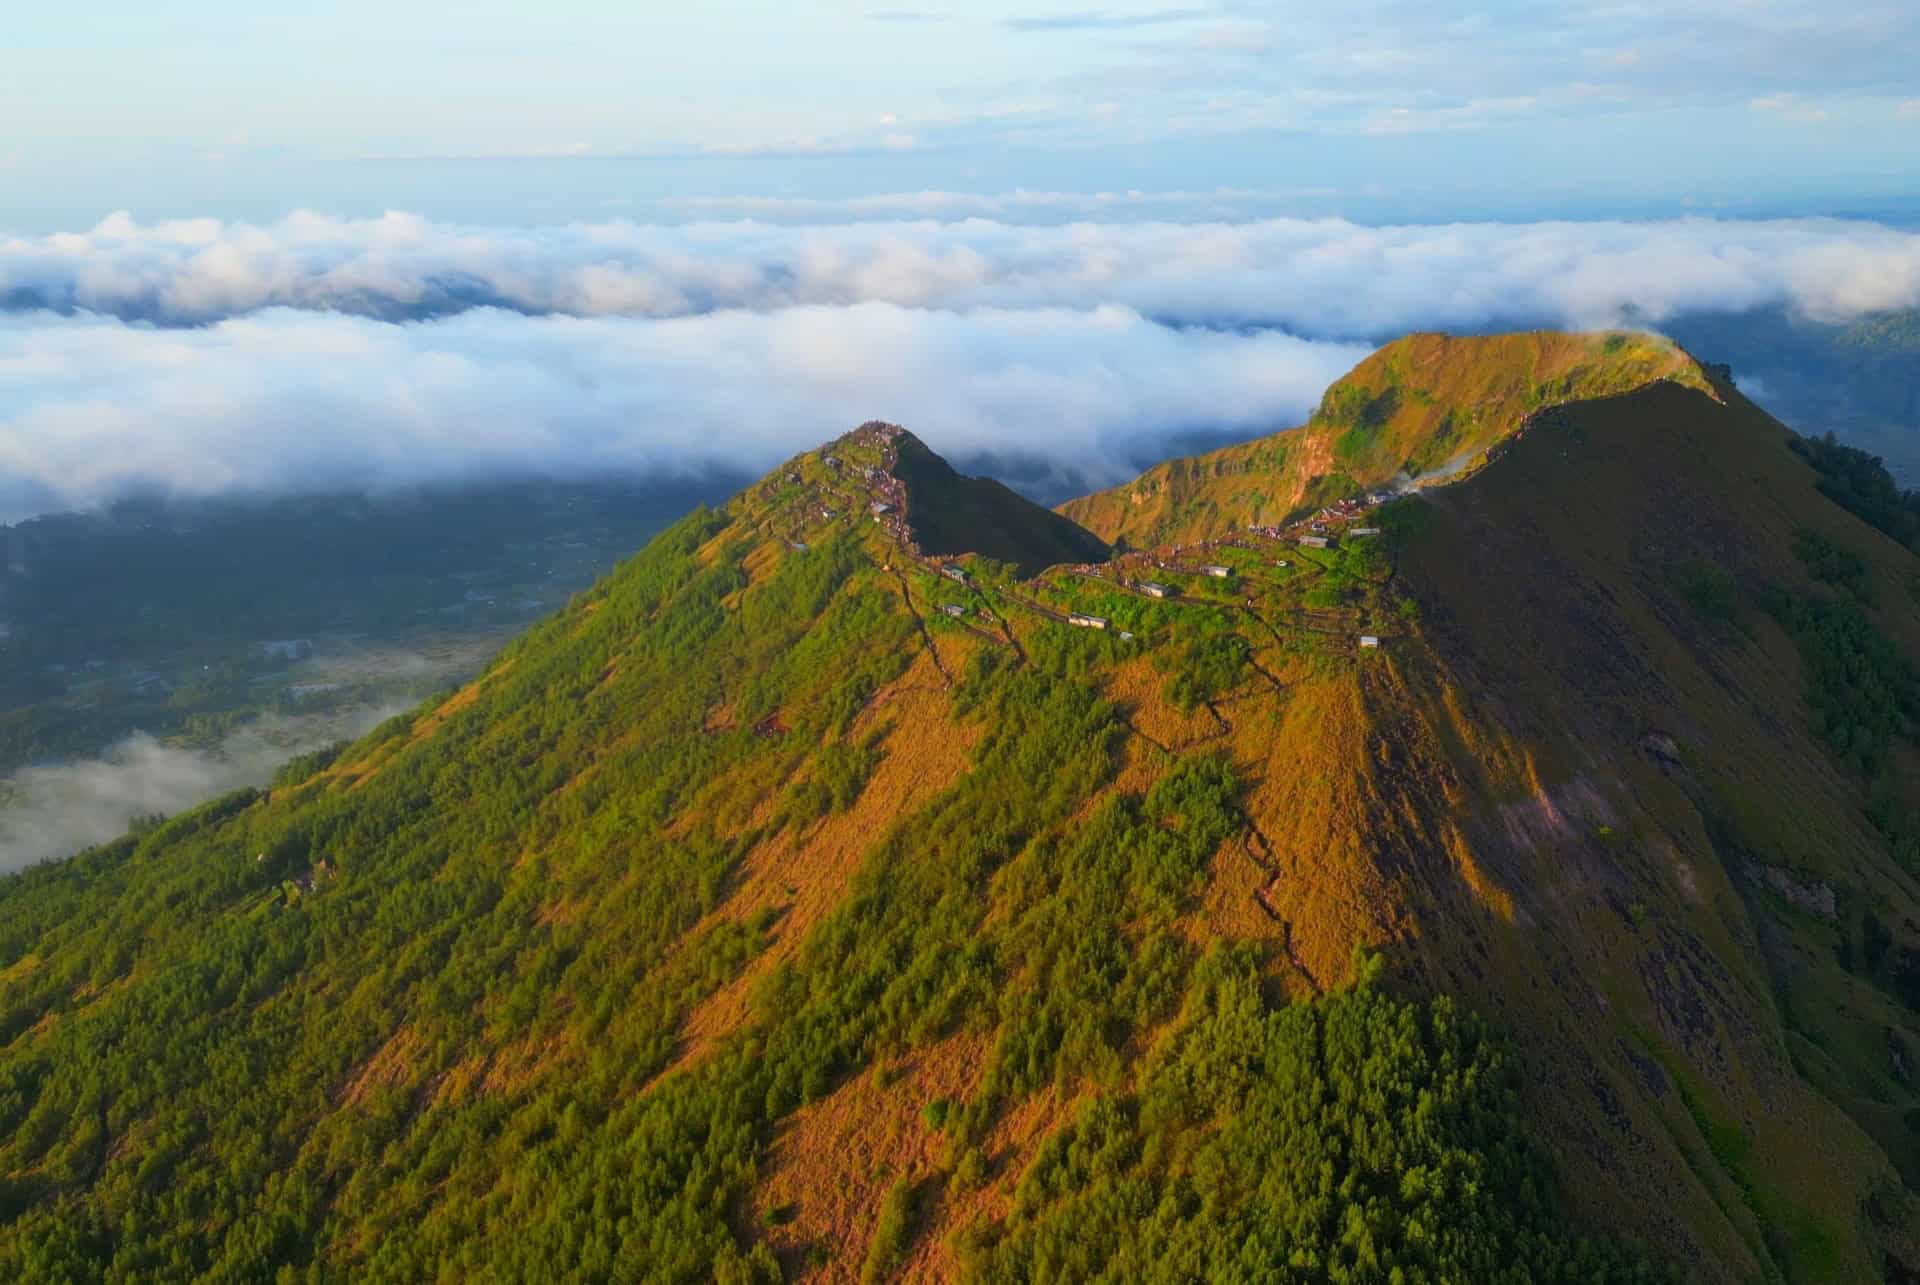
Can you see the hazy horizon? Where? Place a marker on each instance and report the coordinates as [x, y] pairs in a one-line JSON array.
[[1386, 111]]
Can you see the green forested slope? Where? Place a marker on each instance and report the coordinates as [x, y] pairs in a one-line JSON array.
[[211, 1071]]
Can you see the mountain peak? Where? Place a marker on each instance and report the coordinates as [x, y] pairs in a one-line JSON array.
[[883, 472], [1440, 393], [1423, 409]]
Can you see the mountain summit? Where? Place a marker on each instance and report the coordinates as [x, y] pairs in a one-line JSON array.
[[1420, 410], [922, 503], [1510, 880]]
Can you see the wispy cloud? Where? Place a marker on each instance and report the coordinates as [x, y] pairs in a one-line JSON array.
[[1408, 67], [1595, 93], [1222, 203], [1106, 20], [1790, 107], [1470, 114]]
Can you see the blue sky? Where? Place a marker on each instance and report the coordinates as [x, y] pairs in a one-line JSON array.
[[491, 110]]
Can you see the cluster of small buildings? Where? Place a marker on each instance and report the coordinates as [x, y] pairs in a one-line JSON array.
[[889, 503], [1322, 528], [1347, 510], [1329, 520]]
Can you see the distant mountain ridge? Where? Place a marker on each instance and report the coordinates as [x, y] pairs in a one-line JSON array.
[[880, 877], [1858, 379]]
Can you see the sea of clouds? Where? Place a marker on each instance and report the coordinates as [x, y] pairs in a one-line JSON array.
[[1322, 277], [91, 407], [206, 357]]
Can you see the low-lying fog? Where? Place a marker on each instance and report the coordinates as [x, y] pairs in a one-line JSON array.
[[48, 812]]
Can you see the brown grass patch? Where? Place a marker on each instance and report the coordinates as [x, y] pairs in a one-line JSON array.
[[519, 1065], [505, 1070], [1229, 906], [833, 1161], [1140, 766], [805, 876], [19, 968], [1008, 1149], [1311, 790], [760, 561], [446, 709], [1136, 686], [391, 1065], [737, 800]]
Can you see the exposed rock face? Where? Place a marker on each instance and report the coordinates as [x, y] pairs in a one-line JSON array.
[[1813, 897]]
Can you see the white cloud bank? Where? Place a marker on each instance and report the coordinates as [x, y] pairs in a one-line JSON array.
[[91, 407], [1324, 277], [205, 357]]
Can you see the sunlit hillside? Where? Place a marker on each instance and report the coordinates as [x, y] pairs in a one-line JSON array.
[[1420, 411], [1514, 879]]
